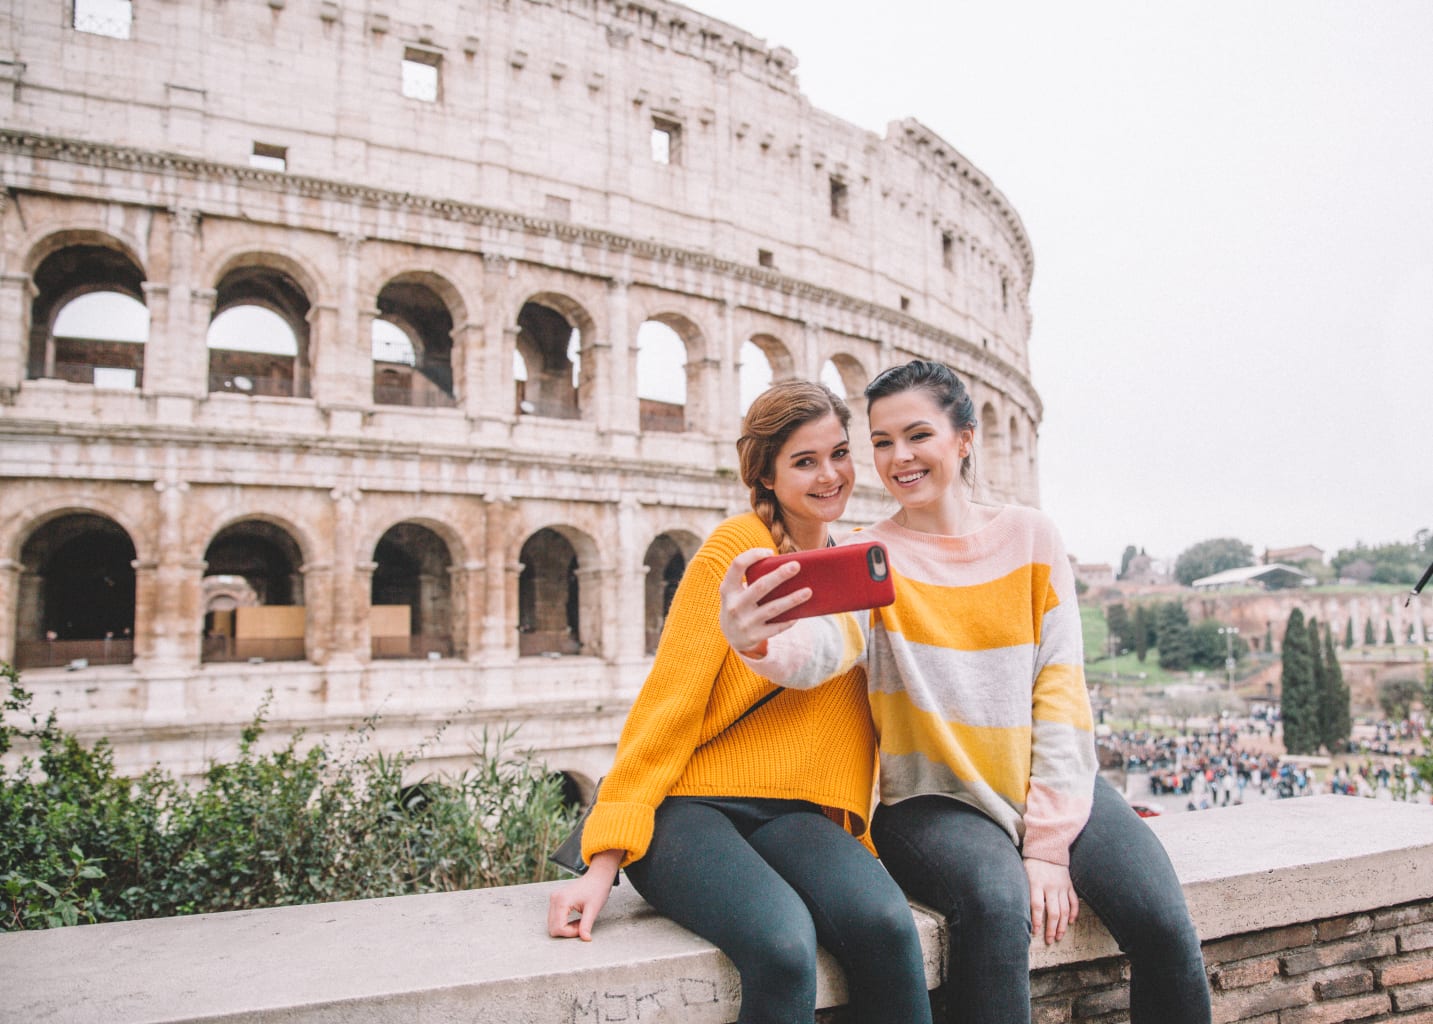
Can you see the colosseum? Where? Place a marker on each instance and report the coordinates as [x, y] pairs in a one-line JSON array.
[[387, 356]]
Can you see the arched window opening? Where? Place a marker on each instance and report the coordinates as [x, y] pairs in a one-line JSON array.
[[412, 347], [549, 596], [76, 598], [99, 340], [551, 350], [831, 377], [253, 595], [412, 595], [756, 374], [519, 376], [258, 338], [661, 378], [88, 321], [665, 562]]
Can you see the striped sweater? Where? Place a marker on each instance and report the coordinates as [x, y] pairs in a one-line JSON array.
[[815, 744], [975, 673]]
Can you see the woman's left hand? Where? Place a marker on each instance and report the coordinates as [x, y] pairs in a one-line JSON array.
[[1053, 903]]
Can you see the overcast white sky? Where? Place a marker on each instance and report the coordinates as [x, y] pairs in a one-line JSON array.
[[1231, 206]]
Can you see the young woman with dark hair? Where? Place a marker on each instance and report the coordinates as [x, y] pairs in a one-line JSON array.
[[991, 808]]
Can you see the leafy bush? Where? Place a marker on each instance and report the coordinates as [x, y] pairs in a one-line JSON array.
[[79, 843]]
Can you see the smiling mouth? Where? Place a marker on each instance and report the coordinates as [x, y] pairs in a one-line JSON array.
[[909, 478], [833, 492]]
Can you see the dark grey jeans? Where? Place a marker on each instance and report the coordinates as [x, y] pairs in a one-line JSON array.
[[955, 859], [765, 881]]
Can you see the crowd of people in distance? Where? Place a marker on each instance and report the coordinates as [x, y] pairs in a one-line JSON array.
[[1229, 763]]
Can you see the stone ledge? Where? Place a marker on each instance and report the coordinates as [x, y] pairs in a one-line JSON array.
[[483, 957]]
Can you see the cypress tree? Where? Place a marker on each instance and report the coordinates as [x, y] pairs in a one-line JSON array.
[[1337, 718], [1387, 632], [1141, 632], [1348, 635], [1316, 680], [1368, 637], [1299, 700], [1117, 618], [1176, 646]]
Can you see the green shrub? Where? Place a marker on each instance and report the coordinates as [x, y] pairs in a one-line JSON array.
[[79, 843]]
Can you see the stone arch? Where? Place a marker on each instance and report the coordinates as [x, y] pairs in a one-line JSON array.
[[553, 333], [664, 563], [559, 606], [22, 526], [273, 257], [266, 555], [266, 282], [76, 264], [764, 360], [413, 565], [421, 304], [77, 594], [852, 374]]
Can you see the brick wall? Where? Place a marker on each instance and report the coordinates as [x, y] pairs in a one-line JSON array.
[[1375, 966]]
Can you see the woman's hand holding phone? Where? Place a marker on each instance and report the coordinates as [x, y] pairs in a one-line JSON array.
[[745, 620]]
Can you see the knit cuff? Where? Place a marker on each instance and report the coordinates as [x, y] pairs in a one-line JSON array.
[[613, 826]]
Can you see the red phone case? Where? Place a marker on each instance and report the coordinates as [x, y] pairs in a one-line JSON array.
[[848, 578]]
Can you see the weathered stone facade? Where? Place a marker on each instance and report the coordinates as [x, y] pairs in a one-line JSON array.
[[482, 524]]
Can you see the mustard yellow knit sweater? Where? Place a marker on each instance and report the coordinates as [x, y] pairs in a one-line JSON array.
[[815, 744]]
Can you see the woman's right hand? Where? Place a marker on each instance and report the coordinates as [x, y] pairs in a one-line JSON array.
[[584, 897], [744, 621]]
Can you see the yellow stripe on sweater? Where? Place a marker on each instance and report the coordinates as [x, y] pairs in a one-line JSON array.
[[1060, 697], [999, 757], [959, 617]]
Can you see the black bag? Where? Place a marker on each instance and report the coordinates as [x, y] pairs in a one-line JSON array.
[[569, 852]]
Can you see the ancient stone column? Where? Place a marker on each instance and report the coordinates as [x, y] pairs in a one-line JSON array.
[[345, 626], [362, 590], [629, 642], [17, 292], [9, 600], [467, 583], [597, 590], [176, 355], [619, 409], [499, 586], [492, 395]]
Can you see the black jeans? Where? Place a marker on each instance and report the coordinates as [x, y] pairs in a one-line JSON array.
[[765, 881], [951, 856]]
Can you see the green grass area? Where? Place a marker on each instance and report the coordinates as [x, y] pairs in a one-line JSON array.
[[1127, 667]]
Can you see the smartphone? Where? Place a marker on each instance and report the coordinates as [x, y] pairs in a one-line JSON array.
[[848, 578]]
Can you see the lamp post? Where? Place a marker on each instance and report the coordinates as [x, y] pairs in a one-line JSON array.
[[1229, 633]]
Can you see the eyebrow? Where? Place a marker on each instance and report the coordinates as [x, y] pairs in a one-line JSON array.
[[907, 427], [816, 451]]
